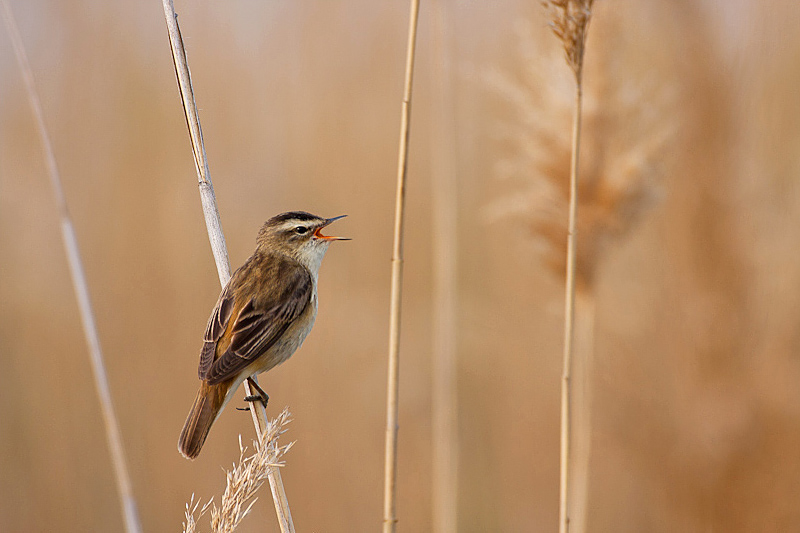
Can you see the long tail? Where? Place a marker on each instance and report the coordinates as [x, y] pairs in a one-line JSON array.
[[207, 405]]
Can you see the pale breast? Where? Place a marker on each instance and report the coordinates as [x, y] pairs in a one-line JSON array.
[[290, 341]]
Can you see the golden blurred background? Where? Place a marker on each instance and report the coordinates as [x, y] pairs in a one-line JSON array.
[[697, 297]]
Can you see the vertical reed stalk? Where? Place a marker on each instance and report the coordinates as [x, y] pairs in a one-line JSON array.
[[570, 23], [392, 395], [582, 368], [445, 275], [626, 154], [215, 235], [569, 320], [121, 475]]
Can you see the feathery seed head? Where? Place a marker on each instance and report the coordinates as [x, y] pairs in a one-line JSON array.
[[628, 123], [569, 20]]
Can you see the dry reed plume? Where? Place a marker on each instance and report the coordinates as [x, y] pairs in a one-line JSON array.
[[191, 514], [569, 20], [629, 122], [243, 481], [620, 164]]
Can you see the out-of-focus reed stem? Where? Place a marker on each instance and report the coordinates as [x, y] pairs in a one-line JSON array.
[[581, 442], [445, 281], [570, 23], [621, 159], [392, 396], [121, 474], [569, 320], [215, 235]]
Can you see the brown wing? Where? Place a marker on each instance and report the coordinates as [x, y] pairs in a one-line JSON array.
[[264, 319], [217, 323]]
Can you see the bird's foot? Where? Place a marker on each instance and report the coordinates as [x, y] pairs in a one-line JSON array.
[[259, 396]]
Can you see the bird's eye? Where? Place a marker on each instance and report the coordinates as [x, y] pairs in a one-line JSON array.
[[301, 230]]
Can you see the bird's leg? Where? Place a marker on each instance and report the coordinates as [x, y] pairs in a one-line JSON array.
[[260, 395]]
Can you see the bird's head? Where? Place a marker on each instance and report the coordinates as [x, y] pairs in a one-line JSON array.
[[298, 234]]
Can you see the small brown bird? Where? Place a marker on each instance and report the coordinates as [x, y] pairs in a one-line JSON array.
[[262, 316]]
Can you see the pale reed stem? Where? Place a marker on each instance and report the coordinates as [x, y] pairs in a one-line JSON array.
[[121, 474], [208, 199], [445, 274], [569, 317], [582, 369], [390, 458], [215, 235]]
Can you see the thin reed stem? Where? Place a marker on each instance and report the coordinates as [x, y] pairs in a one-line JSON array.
[[445, 282], [569, 317], [581, 434], [215, 235], [207, 197], [392, 392], [569, 20], [121, 475]]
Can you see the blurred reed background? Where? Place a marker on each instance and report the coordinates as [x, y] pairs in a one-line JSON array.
[[692, 272]]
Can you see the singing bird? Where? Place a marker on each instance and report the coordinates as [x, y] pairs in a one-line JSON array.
[[262, 317]]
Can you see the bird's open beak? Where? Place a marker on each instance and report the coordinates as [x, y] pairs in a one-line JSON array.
[[318, 234]]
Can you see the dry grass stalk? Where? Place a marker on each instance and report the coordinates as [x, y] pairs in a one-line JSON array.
[[392, 389], [445, 282], [622, 157], [110, 422], [569, 322], [243, 481], [215, 235], [208, 199], [570, 22]]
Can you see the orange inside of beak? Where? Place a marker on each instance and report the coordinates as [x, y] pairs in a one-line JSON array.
[[318, 234]]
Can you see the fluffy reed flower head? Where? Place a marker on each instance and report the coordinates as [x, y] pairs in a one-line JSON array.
[[628, 119], [191, 514], [243, 481], [569, 20]]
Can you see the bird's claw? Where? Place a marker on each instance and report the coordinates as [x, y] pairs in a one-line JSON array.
[[259, 396]]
